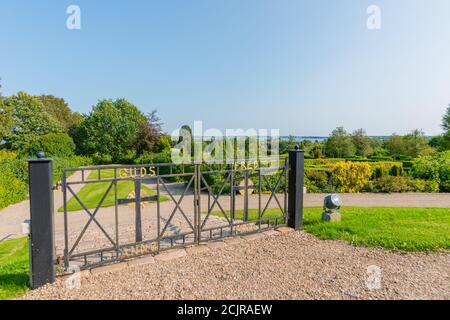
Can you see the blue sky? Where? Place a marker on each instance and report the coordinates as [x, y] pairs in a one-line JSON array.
[[304, 67]]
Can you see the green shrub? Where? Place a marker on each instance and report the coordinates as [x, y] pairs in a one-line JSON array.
[[13, 186], [14, 176], [311, 187], [351, 176], [147, 158], [426, 168], [391, 184], [444, 186], [402, 184], [53, 144], [61, 163], [396, 170], [5, 155], [434, 168], [318, 181], [420, 185]]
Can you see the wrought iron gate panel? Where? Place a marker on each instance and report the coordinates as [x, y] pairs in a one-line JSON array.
[[192, 219]]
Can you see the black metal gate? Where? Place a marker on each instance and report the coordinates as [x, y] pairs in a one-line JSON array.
[[171, 205]]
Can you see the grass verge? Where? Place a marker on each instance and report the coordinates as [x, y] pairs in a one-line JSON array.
[[405, 229], [14, 268]]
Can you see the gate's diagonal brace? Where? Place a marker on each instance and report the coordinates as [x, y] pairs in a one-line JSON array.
[[216, 199], [273, 193], [92, 217], [177, 206]]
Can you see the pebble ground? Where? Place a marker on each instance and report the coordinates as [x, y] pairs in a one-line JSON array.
[[295, 265]]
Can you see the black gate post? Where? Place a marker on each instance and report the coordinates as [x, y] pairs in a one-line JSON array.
[[42, 252], [295, 190]]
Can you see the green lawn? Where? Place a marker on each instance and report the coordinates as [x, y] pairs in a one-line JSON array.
[[14, 268], [92, 193], [407, 229]]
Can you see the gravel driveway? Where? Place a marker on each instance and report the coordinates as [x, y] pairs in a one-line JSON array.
[[283, 266]]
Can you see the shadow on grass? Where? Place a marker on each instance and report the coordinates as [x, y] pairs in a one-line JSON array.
[[14, 279], [13, 285]]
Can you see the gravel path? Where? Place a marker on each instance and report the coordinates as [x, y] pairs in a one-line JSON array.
[[283, 266]]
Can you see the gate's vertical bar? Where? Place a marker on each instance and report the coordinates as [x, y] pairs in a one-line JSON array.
[[231, 199], [42, 249], [158, 213], [196, 201], [295, 191], [66, 224], [286, 179], [199, 209], [137, 193], [259, 195], [116, 211], [245, 195]]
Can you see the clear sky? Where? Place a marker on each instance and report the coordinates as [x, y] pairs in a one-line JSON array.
[[303, 67]]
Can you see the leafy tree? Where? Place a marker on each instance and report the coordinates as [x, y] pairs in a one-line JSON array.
[[6, 119], [416, 144], [287, 145], [375, 142], [110, 130], [396, 145], [411, 145], [444, 143], [53, 144], [59, 109], [381, 153], [339, 144], [362, 143], [164, 144], [312, 149], [26, 121], [149, 134], [316, 151], [435, 141], [446, 120]]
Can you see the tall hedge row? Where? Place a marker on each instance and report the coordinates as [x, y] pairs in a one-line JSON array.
[[14, 176]]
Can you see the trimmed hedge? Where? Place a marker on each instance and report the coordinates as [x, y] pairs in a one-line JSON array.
[[14, 175], [389, 184], [13, 187]]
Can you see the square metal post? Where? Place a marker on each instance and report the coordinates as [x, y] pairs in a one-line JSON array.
[[295, 190], [42, 250]]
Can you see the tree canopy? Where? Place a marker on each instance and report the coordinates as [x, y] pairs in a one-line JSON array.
[[59, 109], [149, 134], [444, 143], [24, 119], [339, 144], [110, 130], [446, 120], [362, 143], [411, 145]]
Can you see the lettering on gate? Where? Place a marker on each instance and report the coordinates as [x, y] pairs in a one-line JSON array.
[[137, 172], [138, 250]]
